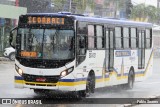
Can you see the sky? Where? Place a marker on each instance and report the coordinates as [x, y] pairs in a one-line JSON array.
[[147, 2]]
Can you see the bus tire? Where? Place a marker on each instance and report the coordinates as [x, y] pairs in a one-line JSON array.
[[130, 83], [90, 86]]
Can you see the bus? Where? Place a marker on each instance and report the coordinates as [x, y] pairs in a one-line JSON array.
[[76, 53]]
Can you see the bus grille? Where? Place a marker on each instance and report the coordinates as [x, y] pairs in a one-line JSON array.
[[48, 85], [48, 79]]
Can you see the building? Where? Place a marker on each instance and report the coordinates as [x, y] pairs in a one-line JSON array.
[[9, 14], [8, 2], [36, 6]]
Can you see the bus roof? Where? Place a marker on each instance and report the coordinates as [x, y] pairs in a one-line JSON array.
[[96, 20]]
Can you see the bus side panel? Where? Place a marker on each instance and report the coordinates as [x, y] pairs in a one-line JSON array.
[[148, 63], [96, 59], [94, 62], [147, 71], [123, 61]]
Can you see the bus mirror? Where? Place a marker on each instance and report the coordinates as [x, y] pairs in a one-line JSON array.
[[12, 40]]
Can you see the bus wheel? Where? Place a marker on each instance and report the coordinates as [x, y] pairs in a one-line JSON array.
[[90, 86], [130, 83]]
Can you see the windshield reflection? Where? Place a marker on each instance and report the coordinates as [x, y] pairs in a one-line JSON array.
[[46, 43]]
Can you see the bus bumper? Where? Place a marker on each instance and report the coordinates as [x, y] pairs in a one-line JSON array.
[[59, 86]]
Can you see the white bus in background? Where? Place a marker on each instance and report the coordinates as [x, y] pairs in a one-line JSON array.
[[70, 52]]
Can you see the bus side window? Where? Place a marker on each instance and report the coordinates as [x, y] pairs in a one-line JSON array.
[[118, 37], [125, 38], [148, 39], [91, 37], [99, 37], [133, 38]]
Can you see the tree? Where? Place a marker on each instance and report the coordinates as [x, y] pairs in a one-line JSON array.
[[142, 12], [114, 6], [77, 6], [152, 13]]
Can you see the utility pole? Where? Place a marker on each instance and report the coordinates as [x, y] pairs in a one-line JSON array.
[[129, 7], [116, 9]]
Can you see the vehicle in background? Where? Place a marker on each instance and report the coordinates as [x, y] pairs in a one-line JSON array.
[[9, 53]]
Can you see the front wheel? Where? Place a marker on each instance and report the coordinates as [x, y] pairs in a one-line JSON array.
[[90, 86]]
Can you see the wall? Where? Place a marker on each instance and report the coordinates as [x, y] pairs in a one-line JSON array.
[[8, 19]]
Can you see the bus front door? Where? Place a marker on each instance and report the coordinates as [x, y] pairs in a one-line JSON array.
[[109, 49]]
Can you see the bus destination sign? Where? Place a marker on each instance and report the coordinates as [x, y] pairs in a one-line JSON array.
[[45, 20]]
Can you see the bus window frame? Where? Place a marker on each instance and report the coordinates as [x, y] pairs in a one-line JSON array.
[[128, 37], [121, 38], [102, 37], [131, 37], [150, 38], [93, 36]]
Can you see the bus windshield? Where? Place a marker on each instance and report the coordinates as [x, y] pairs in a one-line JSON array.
[[52, 44]]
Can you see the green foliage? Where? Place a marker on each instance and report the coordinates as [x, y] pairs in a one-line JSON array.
[[145, 12], [140, 11]]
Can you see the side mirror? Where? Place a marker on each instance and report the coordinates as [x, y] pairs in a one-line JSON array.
[[13, 34]]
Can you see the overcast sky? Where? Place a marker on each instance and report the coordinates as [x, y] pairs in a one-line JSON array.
[[147, 2]]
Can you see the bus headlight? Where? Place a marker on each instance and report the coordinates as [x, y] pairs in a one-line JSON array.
[[19, 71], [66, 72]]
